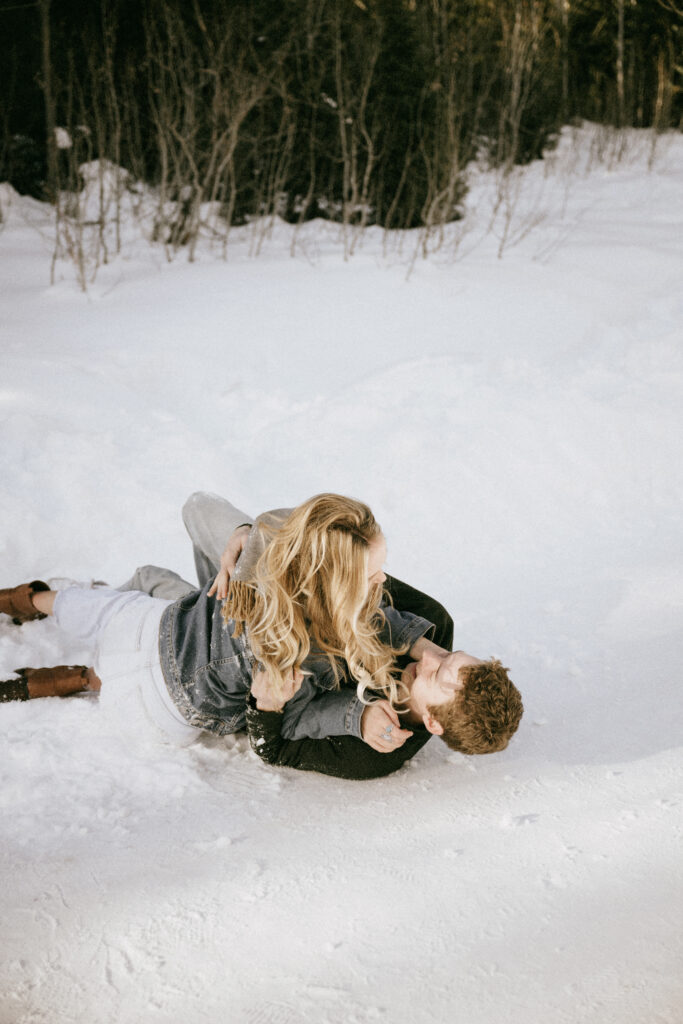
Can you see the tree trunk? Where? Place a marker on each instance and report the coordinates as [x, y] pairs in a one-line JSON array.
[[50, 135], [620, 64]]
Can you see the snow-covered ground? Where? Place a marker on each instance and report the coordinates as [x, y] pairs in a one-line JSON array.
[[516, 425]]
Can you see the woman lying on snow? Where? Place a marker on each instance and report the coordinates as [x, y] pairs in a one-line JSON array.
[[304, 652]]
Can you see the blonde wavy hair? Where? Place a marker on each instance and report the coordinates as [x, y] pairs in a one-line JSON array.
[[309, 593]]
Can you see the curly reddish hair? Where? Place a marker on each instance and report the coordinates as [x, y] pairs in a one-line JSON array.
[[484, 715]]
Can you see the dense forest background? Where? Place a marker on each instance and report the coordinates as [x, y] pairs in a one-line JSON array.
[[361, 111]]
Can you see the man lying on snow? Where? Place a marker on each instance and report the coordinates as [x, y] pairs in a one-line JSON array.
[[305, 652]]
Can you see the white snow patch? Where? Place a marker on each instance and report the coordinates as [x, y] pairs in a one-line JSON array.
[[516, 426]]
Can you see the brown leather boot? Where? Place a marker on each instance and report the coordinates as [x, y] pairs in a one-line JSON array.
[[16, 602], [60, 681]]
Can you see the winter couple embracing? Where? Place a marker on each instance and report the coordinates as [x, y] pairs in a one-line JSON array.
[[295, 634]]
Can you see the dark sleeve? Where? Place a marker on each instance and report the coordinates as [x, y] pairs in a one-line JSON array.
[[346, 757]]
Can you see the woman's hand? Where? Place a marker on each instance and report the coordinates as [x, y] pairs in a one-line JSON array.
[[381, 728], [233, 550], [265, 695]]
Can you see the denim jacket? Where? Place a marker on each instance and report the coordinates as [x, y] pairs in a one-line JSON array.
[[208, 670]]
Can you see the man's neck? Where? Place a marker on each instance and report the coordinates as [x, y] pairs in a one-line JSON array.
[[412, 715]]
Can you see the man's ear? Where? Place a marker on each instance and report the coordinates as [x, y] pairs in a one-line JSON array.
[[431, 724]]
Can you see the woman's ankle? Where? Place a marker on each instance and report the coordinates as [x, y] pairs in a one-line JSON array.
[[43, 601]]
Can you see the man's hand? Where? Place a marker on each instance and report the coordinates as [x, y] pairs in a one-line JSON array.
[[233, 550], [423, 646], [267, 697], [381, 728]]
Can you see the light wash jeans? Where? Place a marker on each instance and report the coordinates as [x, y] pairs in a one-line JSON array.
[[209, 520]]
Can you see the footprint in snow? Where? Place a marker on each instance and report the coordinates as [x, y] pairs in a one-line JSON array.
[[509, 821]]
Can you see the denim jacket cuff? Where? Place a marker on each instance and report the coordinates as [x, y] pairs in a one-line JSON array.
[[352, 718], [414, 629]]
